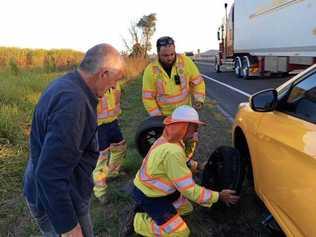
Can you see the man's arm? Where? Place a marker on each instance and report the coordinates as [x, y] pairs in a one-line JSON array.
[[196, 82], [150, 93], [59, 157], [181, 176]]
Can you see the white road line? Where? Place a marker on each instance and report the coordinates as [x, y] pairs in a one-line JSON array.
[[205, 63], [226, 114], [228, 86]]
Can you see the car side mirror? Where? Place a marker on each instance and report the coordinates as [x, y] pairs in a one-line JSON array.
[[264, 101], [311, 94]]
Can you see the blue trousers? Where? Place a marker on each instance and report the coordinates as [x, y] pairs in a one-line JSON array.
[[47, 228], [160, 209], [109, 133]]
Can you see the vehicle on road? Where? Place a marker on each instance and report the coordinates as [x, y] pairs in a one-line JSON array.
[[261, 37], [276, 133]]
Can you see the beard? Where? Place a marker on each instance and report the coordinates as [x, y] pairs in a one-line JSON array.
[[167, 65]]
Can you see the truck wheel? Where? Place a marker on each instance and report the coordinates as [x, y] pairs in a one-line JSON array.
[[147, 133], [245, 69], [237, 67], [224, 170], [217, 68]]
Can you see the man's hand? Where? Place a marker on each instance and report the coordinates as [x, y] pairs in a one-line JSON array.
[[193, 166], [198, 105], [75, 232], [201, 166], [228, 196]]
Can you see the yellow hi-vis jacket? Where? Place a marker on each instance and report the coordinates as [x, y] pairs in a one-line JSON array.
[[161, 95], [164, 171], [109, 105]]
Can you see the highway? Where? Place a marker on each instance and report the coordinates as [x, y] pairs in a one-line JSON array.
[[229, 91]]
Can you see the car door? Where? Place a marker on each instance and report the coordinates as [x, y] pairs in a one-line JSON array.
[[286, 158]]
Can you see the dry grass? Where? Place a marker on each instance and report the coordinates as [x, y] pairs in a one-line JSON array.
[[18, 97], [135, 66]]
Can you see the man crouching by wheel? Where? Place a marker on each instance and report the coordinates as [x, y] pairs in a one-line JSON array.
[[164, 185]]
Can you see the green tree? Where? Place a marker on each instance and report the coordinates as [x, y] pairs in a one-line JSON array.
[[148, 26], [140, 35]]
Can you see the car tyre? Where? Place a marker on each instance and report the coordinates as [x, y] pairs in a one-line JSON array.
[[147, 133], [224, 170]]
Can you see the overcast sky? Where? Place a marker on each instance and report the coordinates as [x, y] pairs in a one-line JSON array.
[[80, 24]]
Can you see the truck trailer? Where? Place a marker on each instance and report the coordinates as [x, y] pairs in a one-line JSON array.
[[263, 37]]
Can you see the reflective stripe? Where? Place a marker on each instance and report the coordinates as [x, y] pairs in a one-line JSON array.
[[173, 224], [205, 196], [160, 87], [111, 113], [119, 145], [199, 93], [154, 112], [162, 98], [103, 109], [155, 182], [149, 94], [100, 182], [184, 183], [180, 202], [156, 229], [180, 64], [197, 80], [156, 69], [183, 81], [199, 96], [104, 155], [101, 158]]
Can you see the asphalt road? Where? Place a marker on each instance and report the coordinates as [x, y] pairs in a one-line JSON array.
[[229, 91]]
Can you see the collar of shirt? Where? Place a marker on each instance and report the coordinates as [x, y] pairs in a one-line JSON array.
[[92, 98]]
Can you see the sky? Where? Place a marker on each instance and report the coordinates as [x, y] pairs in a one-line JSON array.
[[80, 24]]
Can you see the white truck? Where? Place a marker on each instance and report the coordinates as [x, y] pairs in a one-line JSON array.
[[261, 37]]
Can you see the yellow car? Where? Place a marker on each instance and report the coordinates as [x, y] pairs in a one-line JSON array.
[[276, 133]]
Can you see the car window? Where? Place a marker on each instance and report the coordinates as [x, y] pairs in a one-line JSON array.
[[301, 100]]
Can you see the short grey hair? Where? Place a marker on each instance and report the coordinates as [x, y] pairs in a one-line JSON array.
[[96, 57]]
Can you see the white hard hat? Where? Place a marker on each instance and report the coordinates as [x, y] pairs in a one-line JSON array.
[[184, 113]]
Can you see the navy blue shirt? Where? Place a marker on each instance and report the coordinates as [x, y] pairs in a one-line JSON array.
[[63, 151]]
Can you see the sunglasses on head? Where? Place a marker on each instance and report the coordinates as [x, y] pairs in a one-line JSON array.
[[165, 41]]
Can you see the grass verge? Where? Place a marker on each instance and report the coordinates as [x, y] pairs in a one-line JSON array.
[[107, 219]]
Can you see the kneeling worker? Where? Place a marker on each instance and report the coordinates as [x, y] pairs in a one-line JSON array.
[[164, 183]]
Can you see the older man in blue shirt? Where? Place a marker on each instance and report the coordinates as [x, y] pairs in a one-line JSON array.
[[63, 146]]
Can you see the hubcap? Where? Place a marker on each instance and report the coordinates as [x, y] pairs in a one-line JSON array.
[[237, 69], [245, 72]]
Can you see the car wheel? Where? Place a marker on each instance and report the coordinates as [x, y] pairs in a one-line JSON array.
[[147, 133], [224, 170]]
